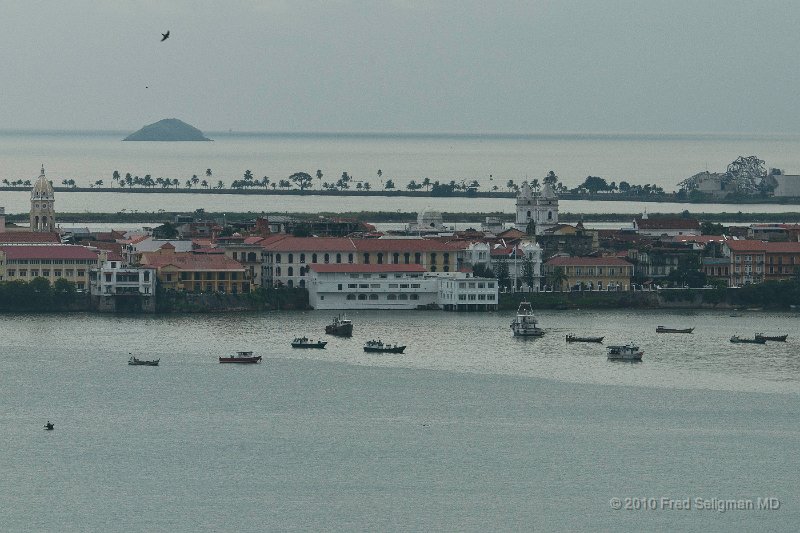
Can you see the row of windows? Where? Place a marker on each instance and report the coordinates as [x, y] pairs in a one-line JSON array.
[[245, 256], [378, 285], [592, 271], [45, 273], [374, 297], [186, 276], [366, 258], [51, 262]]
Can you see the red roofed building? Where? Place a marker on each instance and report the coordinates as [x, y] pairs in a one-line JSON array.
[[758, 261], [286, 261], [193, 272], [660, 226], [29, 237], [594, 273], [53, 261]]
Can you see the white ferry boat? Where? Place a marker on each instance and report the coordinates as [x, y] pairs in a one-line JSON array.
[[627, 352], [525, 325]]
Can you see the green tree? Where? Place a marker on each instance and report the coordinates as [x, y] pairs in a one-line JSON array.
[[302, 179], [195, 180], [529, 273], [115, 176], [593, 184], [556, 278], [502, 273], [389, 184], [426, 183]]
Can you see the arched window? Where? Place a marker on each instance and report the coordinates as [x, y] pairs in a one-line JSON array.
[[433, 268], [350, 258], [313, 258], [418, 258], [302, 258], [251, 257], [407, 258], [327, 258], [277, 271], [373, 296], [290, 271], [446, 259], [303, 271], [277, 258], [351, 296], [433, 258], [290, 284], [366, 258], [338, 258], [447, 268], [549, 215], [391, 297], [362, 296], [380, 258], [403, 297], [302, 284], [291, 258]]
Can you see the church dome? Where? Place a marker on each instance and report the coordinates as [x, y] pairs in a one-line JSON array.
[[42, 189]]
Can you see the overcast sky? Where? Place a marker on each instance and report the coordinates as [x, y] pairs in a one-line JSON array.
[[402, 65]]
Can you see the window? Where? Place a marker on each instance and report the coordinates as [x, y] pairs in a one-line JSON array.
[[313, 258], [407, 258], [375, 285], [302, 258], [362, 296], [277, 258], [366, 258], [290, 271], [446, 259], [380, 258], [277, 271], [327, 258], [415, 285], [11, 273], [414, 296], [373, 296], [291, 258], [340, 286], [418, 258], [350, 258], [433, 258], [490, 285], [352, 285], [403, 297], [391, 297], [351, 296], [481, 285], [34, 273], [395, 258], [393, 285], [363, 285], [481, 297], [404, 285], [338, 258], [462, 296]]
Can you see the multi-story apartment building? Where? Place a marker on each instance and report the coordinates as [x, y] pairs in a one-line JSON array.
[[286, 261], [594, 273], [51, 261], [758, 261], [114, 287], [197, 272]]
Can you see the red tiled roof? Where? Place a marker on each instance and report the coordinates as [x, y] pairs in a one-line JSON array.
[[348, 267], [667, 223], [28, 237], [587, 261], [55, 251], [190, 261], [746, 245], [343, 244], [253, 240]]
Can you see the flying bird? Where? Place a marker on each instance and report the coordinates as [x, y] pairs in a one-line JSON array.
[[164, 36]]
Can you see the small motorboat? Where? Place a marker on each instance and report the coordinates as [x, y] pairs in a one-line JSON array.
[[340, 326], [739, 340], [775, 338], [142, 362], [241, 357], [662, 329], [380, 347], [303, 342], [573, 338], [49, 426], [626, 352]]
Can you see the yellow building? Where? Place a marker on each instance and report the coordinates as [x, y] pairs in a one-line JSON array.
[[197, 272], [51, 261], [593, 273]]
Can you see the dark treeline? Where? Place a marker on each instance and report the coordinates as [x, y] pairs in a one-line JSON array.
[[39, 295]]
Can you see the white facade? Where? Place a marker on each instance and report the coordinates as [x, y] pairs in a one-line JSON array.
[[369, 288], [111, 278], [786, 184], [43, 214], [526, 252], [539, 208]]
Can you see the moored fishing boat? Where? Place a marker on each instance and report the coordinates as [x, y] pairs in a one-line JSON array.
[[739, 340], [525, 324], [573, 338], [626, 352], [340, 326], [662, 329], [379, 347], [775, 338], [303, 342], [242, 358]]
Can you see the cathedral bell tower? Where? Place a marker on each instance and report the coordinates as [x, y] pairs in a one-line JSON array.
[[43, 214]]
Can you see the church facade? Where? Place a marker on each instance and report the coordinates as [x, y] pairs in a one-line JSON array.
[[43, 214], [536, 211]]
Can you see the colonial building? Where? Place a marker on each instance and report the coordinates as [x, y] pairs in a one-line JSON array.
[[592, 273], [669, 227], [522, 262], [43, 214], [114, 287], [245, 250], [197, 272], [758, 261], [536, 211], [54, 261], [396, 286], [286, 261]]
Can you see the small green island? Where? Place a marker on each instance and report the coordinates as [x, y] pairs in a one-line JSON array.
[[168, 129]]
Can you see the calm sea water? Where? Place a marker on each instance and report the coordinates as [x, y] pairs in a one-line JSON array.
[[471, 429], [492, 160]]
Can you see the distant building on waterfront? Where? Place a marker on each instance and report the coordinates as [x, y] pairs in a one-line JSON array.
[[43, 214], [49, 261], [592, 273], [536, 211], [666, 227], [117, 288]]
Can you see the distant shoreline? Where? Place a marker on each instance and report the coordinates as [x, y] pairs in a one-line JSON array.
[[607, 197]]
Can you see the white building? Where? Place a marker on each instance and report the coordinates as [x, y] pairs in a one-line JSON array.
[[43, 214], [396, 286], [785, 184], [111, 282], [541, 208], [428, 222], [518, 259]]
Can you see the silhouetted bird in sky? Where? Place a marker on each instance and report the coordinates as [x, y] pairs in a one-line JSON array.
[[164, 36]]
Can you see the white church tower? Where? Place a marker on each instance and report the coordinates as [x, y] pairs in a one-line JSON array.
[[43, 214], [541, 208]]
